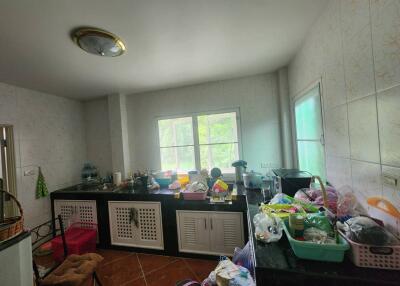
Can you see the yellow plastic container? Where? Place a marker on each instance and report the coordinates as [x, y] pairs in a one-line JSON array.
[[183, 179]]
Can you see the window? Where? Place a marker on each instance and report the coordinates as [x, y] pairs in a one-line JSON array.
[[199, 141], [309, 133]]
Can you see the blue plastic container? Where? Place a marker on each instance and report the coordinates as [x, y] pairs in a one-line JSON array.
[[164, 182]]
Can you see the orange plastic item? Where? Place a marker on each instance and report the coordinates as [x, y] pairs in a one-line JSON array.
[[384, 205]]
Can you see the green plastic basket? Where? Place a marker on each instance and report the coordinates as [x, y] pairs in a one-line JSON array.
[[314, 251]]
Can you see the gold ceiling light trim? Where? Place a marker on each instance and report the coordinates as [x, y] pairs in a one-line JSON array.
[[98, 42]]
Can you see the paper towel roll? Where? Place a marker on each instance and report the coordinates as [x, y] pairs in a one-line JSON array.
[[117, 178]]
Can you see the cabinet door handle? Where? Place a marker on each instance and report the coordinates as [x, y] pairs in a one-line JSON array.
[[211, 223], [205, 223]]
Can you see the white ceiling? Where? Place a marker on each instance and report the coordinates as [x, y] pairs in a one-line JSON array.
[[169, 42]]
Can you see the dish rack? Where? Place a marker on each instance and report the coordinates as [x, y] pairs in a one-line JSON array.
[[373, 256], [314, 251]]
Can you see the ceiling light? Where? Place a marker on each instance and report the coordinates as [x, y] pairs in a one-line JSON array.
[[98, 42]]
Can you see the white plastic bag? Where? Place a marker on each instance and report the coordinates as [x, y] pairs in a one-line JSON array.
[[267, 228]]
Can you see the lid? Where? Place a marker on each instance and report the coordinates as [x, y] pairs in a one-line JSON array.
[[239, 163]]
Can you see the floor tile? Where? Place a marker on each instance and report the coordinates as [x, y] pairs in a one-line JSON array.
[[170, 274], [120, 271], [151, 262], [200, 267], [110, 255], [137, 282]]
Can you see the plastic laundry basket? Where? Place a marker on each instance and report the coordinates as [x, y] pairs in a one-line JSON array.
[[383, 257]]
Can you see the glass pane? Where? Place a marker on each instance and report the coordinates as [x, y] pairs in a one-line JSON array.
[[220, 155], [175, 132], [217, 128], [308, 116], [177, 158], [311, 157]]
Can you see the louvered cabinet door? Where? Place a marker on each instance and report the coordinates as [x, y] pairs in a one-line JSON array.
[[226, 232], [87, 212], [65, 208], [149, 228], [121, 223], [193, 231]]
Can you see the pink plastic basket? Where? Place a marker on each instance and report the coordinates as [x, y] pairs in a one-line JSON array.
[[194, 196], [383, 257]]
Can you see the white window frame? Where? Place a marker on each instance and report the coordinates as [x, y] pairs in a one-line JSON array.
[[300, 95], [194, 116]]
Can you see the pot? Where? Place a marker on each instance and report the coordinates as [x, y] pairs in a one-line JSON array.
[[252, 180]]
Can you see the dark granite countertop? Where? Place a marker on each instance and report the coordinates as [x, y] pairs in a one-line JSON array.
[[116, 193], [278, 260]]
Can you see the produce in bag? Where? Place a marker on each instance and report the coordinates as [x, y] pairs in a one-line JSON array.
[[267, 228]]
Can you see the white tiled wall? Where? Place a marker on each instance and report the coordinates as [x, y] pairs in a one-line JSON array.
[[355, 48], [49, 132]]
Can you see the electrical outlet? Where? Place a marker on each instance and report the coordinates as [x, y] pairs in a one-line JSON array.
[[30, 172]]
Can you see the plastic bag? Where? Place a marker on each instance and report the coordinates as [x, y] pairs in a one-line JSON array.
[[243, 279], [317, 235], [318, 221], [280, 198], [315, 196], [243, 257], [267, 228], [365, 230], [347, 203]]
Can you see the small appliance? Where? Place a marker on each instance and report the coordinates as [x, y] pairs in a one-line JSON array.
[[289, 181], [252, 180], [240, 168]]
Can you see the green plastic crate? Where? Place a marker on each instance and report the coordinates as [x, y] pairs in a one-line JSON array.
[[314, 251]]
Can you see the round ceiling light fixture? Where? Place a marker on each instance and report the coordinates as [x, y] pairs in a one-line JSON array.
[[98, 42]]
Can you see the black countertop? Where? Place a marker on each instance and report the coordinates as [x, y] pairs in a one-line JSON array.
[[14, 240], [164, 195], [276, 263]]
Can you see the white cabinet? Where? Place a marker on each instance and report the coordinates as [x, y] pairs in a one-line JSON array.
[[84, 211], [136, 224], [209, 232]]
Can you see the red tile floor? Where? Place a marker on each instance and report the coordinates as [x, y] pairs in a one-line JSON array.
[[123, 268]]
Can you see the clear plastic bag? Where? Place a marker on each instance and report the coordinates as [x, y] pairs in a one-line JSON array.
[[365, 230], [243, 257], [318, 221], [347, 203], [267, 228]]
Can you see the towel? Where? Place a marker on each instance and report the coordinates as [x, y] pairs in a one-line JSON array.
[[41, 188]]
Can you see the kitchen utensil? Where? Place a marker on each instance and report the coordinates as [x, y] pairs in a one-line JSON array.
[[240, 168], [252, 180]]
